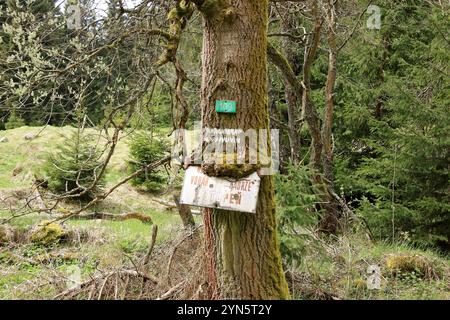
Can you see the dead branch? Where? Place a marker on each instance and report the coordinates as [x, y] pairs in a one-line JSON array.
[[168, 204], [169, 293], [120, 273], [174, 250], [152, 245], [114, 217]]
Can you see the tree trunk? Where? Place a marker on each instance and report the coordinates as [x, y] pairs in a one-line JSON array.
[[290, 96], [327, 130], [328, 203], [379, 103], [244, 260], [185, 213], [331, 220], [311, 116]]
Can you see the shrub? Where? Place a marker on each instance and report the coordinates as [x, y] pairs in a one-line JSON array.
[[145, 150], [74, 167], [6, 234], [296, 200], [47, 233], [403, 264], [14, 121]]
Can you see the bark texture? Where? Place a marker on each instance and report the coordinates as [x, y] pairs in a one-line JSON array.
[[244, 260], [185, 213]]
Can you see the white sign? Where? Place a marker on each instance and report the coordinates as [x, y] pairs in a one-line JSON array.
[[201, 190]]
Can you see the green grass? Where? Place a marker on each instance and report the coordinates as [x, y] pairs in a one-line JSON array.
[[167, 224], [26, 154], [340, 272], [119, 238], [339, 268], [29, 155]]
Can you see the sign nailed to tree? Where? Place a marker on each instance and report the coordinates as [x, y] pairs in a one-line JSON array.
[[228, 194], [226, 106]]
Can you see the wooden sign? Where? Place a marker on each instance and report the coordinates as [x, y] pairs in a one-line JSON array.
[[201, 190], [225, 106]]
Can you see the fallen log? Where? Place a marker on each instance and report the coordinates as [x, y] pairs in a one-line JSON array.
[[173, 205], [114, 217], [168, 204]]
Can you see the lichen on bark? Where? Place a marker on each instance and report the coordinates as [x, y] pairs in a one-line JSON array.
[[177, 18]]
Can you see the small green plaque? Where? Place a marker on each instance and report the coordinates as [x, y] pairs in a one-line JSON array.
[[225, 106]]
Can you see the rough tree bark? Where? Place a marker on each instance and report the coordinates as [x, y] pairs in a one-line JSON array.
[[244, 260], [185, 213]]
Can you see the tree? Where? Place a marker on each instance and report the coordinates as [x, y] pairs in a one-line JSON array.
[[14, 120], [393, 135], [244, 259], [321, 157], [291, 51], [144, 150], [74, 167], [21, 17]]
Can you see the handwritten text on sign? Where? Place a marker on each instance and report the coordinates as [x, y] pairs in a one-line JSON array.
[[236, 195]]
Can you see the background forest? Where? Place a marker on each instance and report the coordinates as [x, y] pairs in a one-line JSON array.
[[358, 89]]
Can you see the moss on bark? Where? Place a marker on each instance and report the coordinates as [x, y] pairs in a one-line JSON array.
[[243, 255]]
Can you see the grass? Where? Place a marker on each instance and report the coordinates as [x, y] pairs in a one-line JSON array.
[[118, 238], [113, 242], [29, 154], [336, 268], [167, 223]]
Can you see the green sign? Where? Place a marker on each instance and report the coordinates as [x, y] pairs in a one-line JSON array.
[[225, 106]]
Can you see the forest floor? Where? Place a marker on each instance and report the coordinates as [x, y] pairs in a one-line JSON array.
[[106, 256]]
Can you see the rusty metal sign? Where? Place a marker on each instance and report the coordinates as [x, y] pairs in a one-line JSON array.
[[201, 190]]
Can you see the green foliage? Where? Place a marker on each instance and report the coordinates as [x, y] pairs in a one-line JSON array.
[[392, 124], [21, 24], [339, 268], [14, 121], [132, 245], [35, 38], [154, 112], [144, 150], [74, 167], [296, 199]]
